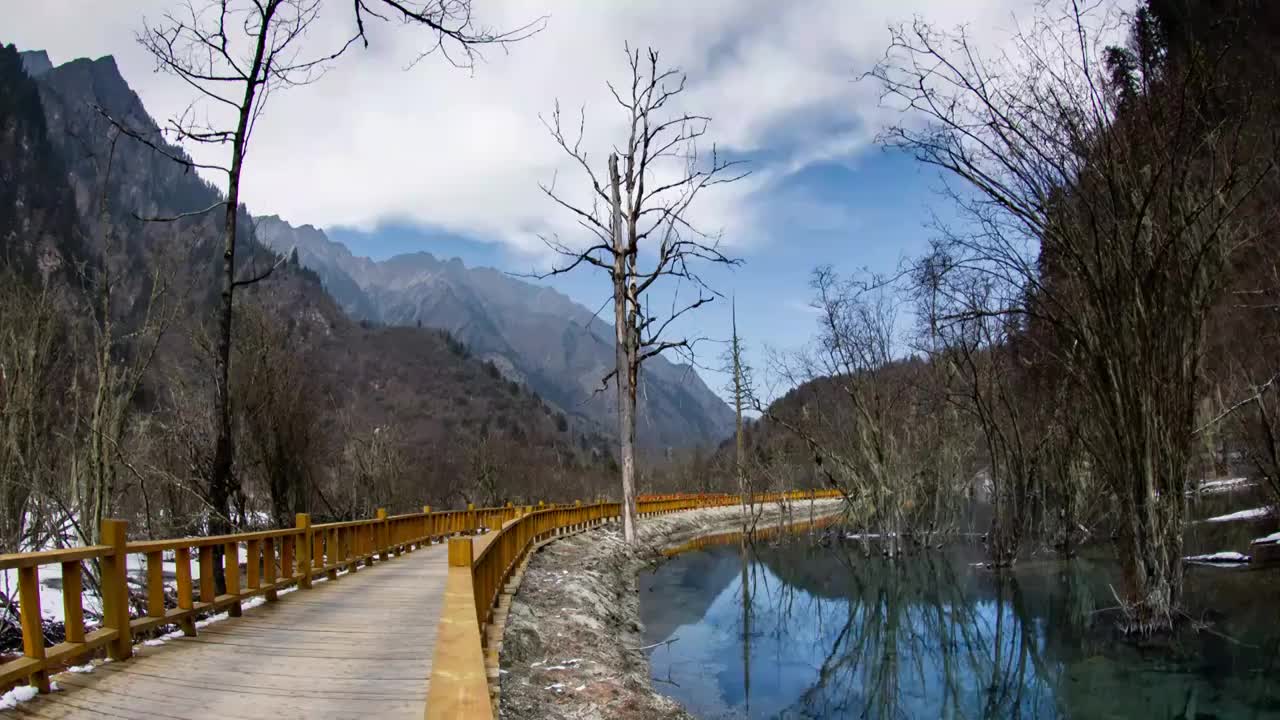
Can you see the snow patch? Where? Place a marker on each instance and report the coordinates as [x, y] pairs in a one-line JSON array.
[[1267, 540], [17, 696], [1219, 558], [1251, 514], [1220, 486]]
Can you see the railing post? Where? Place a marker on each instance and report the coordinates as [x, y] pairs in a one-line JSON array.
[[303, 550], [269, 568], [231, 575], [460, 554], [115, 589], [383, 534], [32, 629], [426, 524]]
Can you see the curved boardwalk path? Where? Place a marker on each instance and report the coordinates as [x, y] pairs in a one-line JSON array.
[[360, 646]]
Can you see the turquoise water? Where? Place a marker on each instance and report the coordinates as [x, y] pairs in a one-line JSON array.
[[799, 630]]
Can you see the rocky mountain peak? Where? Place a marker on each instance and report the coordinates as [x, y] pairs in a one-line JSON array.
[[533, 333], [35, 62]]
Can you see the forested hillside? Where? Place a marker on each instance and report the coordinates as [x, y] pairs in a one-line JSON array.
[[110, 277], [534, 334]]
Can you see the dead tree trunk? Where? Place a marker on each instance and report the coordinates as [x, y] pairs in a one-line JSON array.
[[643, 207]]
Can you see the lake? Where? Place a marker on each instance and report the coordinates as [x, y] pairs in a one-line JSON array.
[[796, 629]]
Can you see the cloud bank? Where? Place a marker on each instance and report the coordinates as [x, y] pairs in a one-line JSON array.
[[465, 151]]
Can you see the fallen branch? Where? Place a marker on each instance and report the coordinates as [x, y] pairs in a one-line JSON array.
[[650, 647]]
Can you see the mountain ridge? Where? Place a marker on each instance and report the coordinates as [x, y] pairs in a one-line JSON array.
[[535, 334]]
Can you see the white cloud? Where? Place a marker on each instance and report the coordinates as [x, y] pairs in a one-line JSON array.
[[465, 151]]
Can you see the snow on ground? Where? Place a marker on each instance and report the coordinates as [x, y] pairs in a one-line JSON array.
[[1251, 514], [1219, 558], [1221, 486], [1269, 539], [17, 696], [51, 583]]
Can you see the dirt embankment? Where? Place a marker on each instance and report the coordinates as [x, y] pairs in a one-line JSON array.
[[571, 648]]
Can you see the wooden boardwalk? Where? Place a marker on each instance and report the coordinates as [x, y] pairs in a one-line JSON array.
[[360, 646]]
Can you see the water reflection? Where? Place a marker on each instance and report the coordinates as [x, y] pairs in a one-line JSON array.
[[811, 632]]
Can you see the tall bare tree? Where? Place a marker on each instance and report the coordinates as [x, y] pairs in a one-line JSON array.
[[742, 394], [643, 198], [122, 351], [234, 54]]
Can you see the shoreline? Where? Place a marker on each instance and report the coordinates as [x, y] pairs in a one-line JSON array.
[[571, 647]]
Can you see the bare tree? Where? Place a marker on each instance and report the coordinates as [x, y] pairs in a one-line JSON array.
[[234, 55], [983, 355], [859, 415], [1113, 212], [34, 369], [123, 350], [650, 183], [276, 403], [741, 392]]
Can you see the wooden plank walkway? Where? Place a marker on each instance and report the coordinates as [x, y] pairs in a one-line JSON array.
[[360, 646]]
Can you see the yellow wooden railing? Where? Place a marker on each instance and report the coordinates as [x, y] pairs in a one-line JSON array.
[[274, 560], [279, 559], [479, 567]]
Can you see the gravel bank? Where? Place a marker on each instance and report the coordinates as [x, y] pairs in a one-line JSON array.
[[571, 644]]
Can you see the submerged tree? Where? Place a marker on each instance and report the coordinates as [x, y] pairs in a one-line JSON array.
[[1114, 212], [864, 421], [650, 184]]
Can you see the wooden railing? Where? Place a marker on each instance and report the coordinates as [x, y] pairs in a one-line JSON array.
[[480, 567], [274, 560], [278, 559]]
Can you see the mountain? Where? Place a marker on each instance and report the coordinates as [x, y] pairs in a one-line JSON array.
[[448, 413], [534, 334]]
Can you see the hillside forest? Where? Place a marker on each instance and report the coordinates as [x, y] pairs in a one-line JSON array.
[[1093, 333]]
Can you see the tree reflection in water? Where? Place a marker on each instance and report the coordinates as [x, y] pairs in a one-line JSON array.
[[800, 631]]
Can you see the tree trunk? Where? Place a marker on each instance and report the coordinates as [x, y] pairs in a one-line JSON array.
[[1151, 540], [625, 358], [736, 351], [220, 480]]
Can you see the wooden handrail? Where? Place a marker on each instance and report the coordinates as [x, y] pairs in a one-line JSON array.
[[49, 557], [278, 559], [459, 686], [274, 560]]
